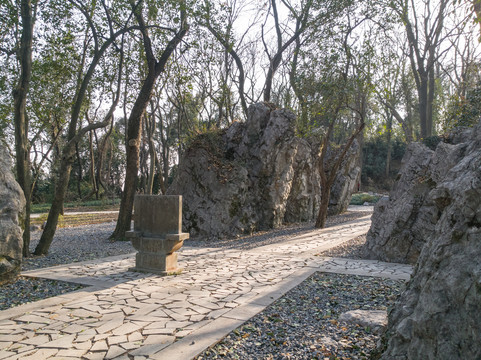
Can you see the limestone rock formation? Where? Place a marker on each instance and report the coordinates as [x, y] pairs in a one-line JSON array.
[[439, 314], [12, 207], [255, 175], [402, 223]]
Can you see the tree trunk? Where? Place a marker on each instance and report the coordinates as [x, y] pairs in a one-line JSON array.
[[324, 205], [430, 103], [423, 103], [153, 160], [79, 172], [56, 209], [22, 146], [389, 145]]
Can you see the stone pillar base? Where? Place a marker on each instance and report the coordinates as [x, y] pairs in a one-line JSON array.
[[156, 263]]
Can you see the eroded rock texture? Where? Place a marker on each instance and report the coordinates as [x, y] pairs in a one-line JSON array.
[[402, 223], [255, 175], [12, 207], [439, 314]]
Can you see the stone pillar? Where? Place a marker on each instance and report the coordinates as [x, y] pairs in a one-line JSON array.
[[157, 233]]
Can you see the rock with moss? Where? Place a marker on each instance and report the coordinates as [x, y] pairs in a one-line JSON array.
[[255, 175], [12, 210], [439, 314]]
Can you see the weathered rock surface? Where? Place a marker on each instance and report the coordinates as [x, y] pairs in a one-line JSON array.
[[402, 223], [12, 207], [255, 175], [376, 320], [439, 314]]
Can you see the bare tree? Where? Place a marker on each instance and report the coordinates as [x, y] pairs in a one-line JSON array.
[[155, 68], [75, 133]]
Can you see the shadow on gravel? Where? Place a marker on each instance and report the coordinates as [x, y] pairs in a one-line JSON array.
[[272, 236]]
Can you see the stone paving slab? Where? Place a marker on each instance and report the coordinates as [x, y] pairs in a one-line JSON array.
[[140, 315]]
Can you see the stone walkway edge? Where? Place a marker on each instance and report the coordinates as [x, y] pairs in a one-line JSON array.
[[271, 271]]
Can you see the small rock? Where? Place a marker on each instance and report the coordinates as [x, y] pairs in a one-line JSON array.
[[376, 320]]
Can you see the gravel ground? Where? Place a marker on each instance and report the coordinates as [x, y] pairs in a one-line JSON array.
[[91, 242], [303, 324], [351, 249]]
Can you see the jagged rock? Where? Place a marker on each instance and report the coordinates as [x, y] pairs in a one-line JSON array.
[[439, 314], [255, 175], [12, 208], [402, 222]]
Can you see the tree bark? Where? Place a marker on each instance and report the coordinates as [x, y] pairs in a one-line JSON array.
[[323, 206], [22, 145]]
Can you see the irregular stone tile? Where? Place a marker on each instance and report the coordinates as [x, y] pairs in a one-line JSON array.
[[158, 339], [195, 318], [178, 317], [6, 354], [113, 340], [23, 349], [109, 325], [130, 346], [74, 329], [33, 319], [143, 310], [181, 334], [101, 337], [81, 313], [200, 309], [217, 313], [177, 324], [136, 336], [84, 345], [204, 303], [64, 342], [71, 353], [114, 351], [41, 354], [5, 344], [126, 328], [36, 340], [100, 345], [95, 355]]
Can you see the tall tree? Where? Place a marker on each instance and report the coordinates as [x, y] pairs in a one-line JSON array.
[[22, 144], [154, 69], [76, 132], [425, 34], [301, 17]]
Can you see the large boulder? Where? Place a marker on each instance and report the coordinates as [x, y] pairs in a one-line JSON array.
[[438, 316], [402, 222], [255, 175], [12, 209]]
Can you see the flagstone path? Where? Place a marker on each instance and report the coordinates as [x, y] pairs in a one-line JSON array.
[[129, 315]]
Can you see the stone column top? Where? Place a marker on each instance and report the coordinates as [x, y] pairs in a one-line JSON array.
[[158, 215]]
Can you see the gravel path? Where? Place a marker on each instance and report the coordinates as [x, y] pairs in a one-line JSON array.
[[303, 324]]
